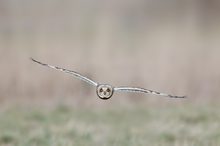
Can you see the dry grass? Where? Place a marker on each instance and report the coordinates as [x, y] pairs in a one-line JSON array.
[[138, 43]]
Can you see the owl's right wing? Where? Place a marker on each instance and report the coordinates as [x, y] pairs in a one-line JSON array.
[[75, 74], [142, 90]]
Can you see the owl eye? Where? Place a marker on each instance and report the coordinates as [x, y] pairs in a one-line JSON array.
[[101, 90], [108, 90]]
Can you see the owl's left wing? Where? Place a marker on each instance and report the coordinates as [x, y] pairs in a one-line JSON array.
[[142, 90]]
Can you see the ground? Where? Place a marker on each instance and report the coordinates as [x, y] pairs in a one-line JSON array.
[[186, 125]]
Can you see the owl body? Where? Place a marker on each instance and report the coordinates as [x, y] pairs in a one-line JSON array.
[[104, 91]]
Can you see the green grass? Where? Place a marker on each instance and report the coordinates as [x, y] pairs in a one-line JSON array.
[[139, 126]]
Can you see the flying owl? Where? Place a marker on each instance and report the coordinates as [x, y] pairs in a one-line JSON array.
[[105, 91]]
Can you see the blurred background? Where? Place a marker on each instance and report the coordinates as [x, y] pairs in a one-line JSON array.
[[172, 46]]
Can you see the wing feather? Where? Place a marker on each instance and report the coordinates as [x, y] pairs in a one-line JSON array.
[[75, 74], [142, 90]]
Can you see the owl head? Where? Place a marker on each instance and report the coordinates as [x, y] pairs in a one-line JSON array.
[[104, 91]]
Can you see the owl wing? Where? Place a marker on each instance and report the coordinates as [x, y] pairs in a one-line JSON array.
[[142, 90], [75, 74]]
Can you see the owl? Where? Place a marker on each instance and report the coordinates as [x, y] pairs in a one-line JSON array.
[[106, 91]]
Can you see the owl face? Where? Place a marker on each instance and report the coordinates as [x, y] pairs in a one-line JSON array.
[[104, 91]]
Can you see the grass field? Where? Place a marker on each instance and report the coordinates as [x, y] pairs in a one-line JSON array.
[[184, 125]]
